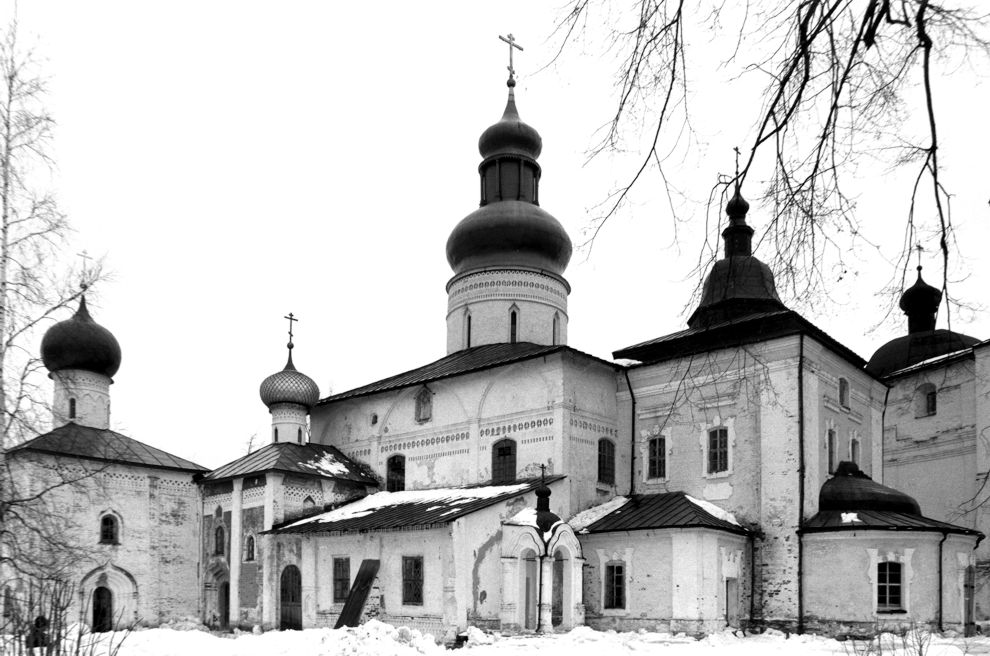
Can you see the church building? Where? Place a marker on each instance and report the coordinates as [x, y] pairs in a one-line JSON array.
[[728, 474]]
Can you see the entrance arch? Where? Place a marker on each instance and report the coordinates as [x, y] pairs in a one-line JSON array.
[[290, 599], [102, 609]]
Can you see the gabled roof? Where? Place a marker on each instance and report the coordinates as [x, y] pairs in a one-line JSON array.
[[79, 441], [411, 508], [757, 327], [883, 520], [665, 510], [311, 459], [476, 358]]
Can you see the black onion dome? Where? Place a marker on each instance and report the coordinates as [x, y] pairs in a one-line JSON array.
[[80, 343], [545, 518], [509, 233], [850, 490], [920, 298], [511, 135], [738, 284], [289, 386]]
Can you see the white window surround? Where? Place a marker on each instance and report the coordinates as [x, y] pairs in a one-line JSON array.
[[902, 556], [729, 424], [604, 558], [648, 434]]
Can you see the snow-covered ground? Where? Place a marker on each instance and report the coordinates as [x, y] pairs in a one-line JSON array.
[[378, 639]]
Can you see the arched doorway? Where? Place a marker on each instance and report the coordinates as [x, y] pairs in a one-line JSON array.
[[223, 604], [290, 598], [530, 580], [102, 610], [557, 607]]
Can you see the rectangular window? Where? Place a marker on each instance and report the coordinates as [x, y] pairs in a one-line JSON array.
[[889, 586], [341, 579], [412, 580], [615, 585], [606, 462], [931, 403], [830, 445], [718, 450], [658, 458]]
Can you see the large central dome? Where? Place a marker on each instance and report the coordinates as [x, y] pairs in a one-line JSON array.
[[509, 230]]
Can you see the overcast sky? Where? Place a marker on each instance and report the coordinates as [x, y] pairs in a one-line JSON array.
[[236, 161]]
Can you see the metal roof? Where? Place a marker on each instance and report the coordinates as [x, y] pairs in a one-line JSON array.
[[388, 510], [311, 459], [469, 360], [883, 520], [757, 327], [656, 511], [79, 441]]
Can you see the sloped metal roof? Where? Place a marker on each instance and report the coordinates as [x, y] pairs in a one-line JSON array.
[[883, 520], [656, 511], [311, 459], [750, 329], [79, 441], [411, 509], [469, 360]]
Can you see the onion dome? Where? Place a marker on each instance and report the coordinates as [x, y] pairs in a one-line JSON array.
[[920, 303], [80, 343], [509, 229], [738, 284], [545, 518], [850, 490], [289, 386]]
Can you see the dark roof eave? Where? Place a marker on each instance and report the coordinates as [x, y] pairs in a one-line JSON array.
[[361, 391], [115, 461], [958, 530], [936, 362], [738, 531]]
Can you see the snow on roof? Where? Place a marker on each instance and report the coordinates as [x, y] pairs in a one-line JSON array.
[[525, 517], [327, 464], [588, 517], [439, 498], [929, 361], [713, 510]]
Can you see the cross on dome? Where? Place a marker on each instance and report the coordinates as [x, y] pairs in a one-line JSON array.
[[511, 40]]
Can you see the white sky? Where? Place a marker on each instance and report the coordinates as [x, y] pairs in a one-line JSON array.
[[235, 161]]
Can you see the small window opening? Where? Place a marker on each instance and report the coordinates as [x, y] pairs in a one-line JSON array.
[[844, 393], [513, 321], [374, 418], [657, 466], [274, 435], [718, 450], [889, 596], [218, 541], [299, 435], [72, 408], [606, 461], [615, 588], [412, 580], [395, 474], [424, 405], [108, 530], [556, 329], [504, 461], [249, 548], [830, 446], [926, 401], [468, 331], [854, 450], [341, 579]]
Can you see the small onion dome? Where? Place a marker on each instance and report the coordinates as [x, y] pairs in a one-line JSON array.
[[850, 490], [289, 386], [738, 284], [80, 343], [545, 518], [510, 136], [509, 234], [920, 298]]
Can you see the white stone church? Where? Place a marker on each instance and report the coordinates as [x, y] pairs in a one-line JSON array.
[[725, 475]]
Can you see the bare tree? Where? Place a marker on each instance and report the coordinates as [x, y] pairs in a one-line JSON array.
[[34, 538], [842, 79]]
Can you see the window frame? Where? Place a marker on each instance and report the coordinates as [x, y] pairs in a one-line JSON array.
[[413, 579], [341, 578], [844, 393], [713, 455], [831, 450], [606, 461], [656, 454], [502, 472], [114, 523], [391, 476], [890, 592], [219, 541], [855, 450], [249, 549], [424, 405], [614, 582]]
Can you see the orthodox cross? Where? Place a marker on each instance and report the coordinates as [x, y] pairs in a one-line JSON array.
[[292, 319], [85, 258], [736, 148], [919, 249], [511, 40]]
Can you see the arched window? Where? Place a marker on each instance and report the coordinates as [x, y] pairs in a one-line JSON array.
[[504, 461], [925, 400], [218, 541], [424, 405], [109, 530], [299, 435], [844, 393], [606, 461], [249, 548], [854, 450], [831, 448], [556, 329], [274, 434], [72, 408], [513, 325], [467, 332], [395, 476], [374, 418]]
